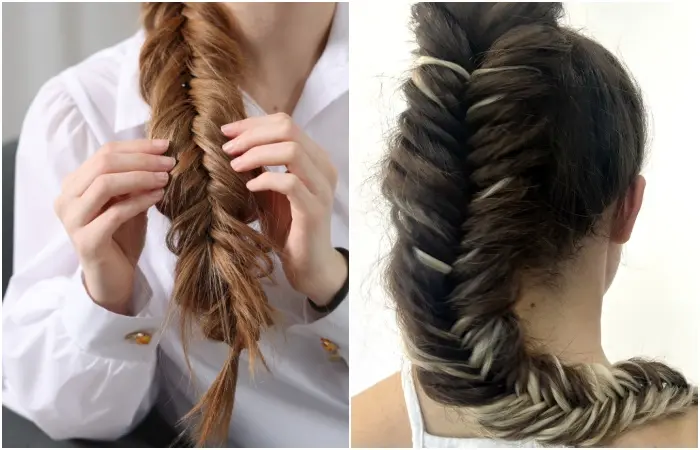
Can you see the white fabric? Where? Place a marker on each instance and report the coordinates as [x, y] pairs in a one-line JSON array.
[[423, 439], [66, 364]]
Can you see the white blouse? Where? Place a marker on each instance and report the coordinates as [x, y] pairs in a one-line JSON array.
[[68, 364]]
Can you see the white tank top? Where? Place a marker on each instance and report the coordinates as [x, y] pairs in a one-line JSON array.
[[423, 439]]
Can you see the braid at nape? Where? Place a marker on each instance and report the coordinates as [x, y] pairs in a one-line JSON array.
[[190, 75], [461, 177]]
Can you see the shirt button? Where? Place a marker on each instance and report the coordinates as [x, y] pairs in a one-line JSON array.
[[139, 337], [331, 348]]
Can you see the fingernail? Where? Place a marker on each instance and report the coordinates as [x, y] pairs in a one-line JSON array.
[[228, 146], [235, 164], [162, 176], [161, 143], [168, 162], [227, 128]]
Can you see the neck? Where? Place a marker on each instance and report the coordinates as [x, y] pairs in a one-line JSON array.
[[282, 42], [565, 320]]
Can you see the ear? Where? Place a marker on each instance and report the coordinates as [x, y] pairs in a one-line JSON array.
[[627, 211]]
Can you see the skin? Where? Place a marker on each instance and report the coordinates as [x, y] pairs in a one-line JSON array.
[[565, 322], [103, 207], [311, 264], [103, 204], [281, 42]]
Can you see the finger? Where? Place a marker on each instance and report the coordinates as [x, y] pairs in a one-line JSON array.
[[275, 128], [110, 159], [151, 146], [106, 187], [300, 199], [109, 163], [104, 226], [233, 129], [288, 154], [261, 130]]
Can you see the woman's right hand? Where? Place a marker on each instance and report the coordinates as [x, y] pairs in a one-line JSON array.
[[103, 207]]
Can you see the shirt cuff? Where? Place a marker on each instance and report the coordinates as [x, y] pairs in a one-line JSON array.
[[311, 315], [333, 326], [101, 332]]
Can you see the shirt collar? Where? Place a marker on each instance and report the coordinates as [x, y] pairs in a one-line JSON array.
[[329, 79]]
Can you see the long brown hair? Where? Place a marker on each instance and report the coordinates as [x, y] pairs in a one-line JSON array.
[[190, 73], [518, 136]]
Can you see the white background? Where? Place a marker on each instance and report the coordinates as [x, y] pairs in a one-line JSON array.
[[652, 308]]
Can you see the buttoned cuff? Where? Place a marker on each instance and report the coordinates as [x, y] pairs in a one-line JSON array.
[[101, 332]]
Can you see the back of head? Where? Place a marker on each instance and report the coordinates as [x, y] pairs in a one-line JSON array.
[[518, 136], [190, 71]]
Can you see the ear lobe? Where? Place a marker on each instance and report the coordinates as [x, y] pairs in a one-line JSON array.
[[627, 211]]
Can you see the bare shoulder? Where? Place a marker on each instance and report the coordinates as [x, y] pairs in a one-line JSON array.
[[380, 419], [679, 431], [379, 416]]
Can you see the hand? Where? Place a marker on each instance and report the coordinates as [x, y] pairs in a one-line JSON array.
[[300, 201], [103, 207]]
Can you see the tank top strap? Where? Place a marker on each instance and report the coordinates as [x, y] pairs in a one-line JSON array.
[[415, 416]]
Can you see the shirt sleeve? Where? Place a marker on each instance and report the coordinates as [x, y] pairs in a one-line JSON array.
[[67, 364], [334, 326]]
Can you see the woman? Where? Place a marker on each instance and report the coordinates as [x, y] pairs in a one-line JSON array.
[[160, 119], [513, 181]]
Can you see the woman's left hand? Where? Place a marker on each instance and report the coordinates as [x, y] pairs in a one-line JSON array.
[[300, 200]]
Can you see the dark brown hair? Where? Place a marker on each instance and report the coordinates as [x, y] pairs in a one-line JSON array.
[[519, 134], [191, 69]]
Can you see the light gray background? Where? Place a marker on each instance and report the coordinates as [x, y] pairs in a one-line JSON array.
[[41, 39]]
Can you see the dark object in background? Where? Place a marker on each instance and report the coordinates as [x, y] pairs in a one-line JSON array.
[[18, 432], [153, 432], [9, 152]]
